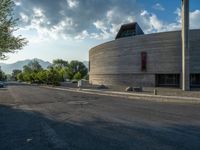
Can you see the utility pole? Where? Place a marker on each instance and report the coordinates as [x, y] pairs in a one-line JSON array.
[[185, 46]]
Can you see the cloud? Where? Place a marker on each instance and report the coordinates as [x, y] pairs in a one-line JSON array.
[[195, 19], [72, 3], [93, 19], [17, 2], [151, 23], [158, 6], [83, 35], [50, 16]]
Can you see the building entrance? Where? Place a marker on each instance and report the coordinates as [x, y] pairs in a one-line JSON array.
[[168, 80], [195, 80]]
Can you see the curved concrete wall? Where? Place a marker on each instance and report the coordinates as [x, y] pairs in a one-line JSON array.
[[119, 62]]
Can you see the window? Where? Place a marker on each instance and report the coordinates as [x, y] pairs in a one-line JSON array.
[[195, 80], [168, 80]]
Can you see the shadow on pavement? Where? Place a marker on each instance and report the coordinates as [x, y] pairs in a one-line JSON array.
[[16, 84], [24, 130]]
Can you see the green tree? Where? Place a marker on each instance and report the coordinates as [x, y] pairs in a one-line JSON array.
[[8, 42], [20, 77], [74, 67], [53, 76], [77, 76], [60, 63], [33, 66], [42, 76], [15, 72], [2, 75], [86, 77], [27, 77]]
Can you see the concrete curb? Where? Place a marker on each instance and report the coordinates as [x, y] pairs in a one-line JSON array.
[[148, 97]]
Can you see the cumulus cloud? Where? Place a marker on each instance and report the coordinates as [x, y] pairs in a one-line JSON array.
[[195, 19], [17, 2], [158, 6], [152, 23], [51, 15], [99, 19], [72, 3]]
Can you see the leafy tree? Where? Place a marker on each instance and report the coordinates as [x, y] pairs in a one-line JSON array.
[[60, 63], [8, 42], [42, 76], [27, 77], [20, 77], [33, 66], [77, 76], [8, 77], [86, 77], [2, 76], [74, 67], [53, 76], [15, 73]]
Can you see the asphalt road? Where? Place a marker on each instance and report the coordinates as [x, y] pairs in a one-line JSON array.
[[35, 118]]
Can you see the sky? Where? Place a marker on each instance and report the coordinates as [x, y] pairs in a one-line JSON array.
[[67, 29]]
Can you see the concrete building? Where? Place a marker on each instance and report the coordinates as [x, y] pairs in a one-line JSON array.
[[144, 60], [169, 59]]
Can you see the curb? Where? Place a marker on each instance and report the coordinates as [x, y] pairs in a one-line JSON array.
[[147, 97]]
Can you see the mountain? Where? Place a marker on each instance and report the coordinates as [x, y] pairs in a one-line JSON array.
[[8, 68]]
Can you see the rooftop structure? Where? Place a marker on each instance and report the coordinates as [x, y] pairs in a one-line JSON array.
[[131, 29]]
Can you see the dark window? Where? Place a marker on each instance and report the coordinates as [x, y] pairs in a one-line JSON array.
[[143, 61], [127, 33], [168, 80], [195, 80]]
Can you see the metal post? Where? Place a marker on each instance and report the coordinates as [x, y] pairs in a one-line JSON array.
[[185, 46]]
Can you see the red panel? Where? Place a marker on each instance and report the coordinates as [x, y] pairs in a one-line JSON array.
[[143, 61]]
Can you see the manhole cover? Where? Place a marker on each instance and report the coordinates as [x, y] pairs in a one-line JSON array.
[[78, 102]]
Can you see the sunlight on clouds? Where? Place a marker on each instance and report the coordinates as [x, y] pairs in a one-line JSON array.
[[72, 3], [17, 2], [24, 18], [102, 25], [43, 33], [83, 35], [195, 19]]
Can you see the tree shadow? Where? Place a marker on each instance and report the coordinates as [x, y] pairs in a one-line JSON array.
[[3, 89], [25, 130], [17, 84]]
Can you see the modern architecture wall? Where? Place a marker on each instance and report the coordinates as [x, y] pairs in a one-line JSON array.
[[119, 61]]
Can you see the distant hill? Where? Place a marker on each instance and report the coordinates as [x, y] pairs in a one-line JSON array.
[[8, 68]]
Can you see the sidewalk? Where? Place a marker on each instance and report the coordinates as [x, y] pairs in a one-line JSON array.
[[131, 95]]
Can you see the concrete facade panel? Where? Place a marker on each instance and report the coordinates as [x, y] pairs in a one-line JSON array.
[[119, 61]]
